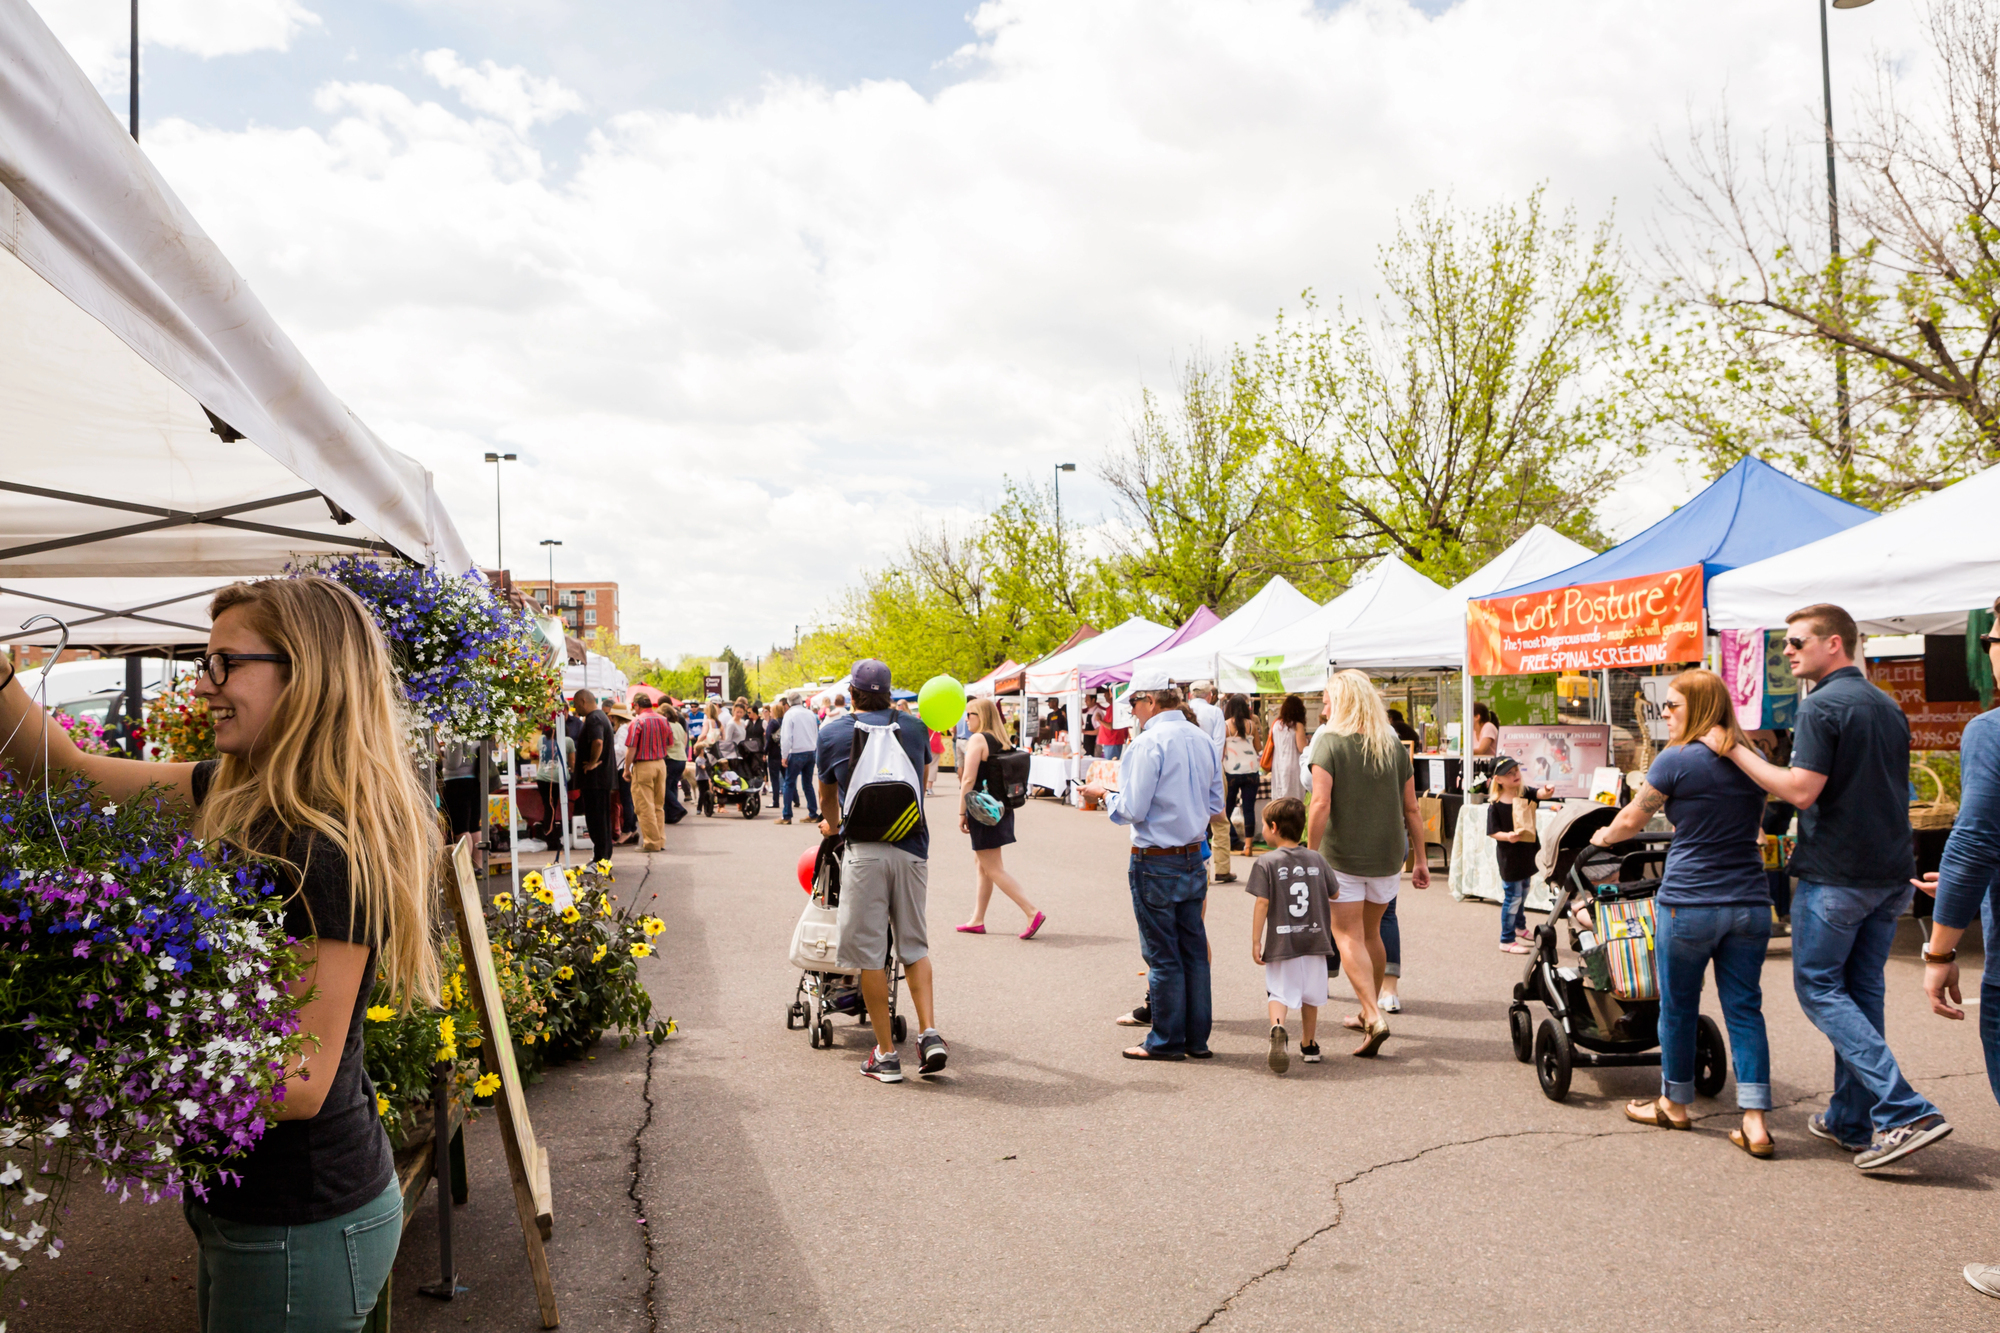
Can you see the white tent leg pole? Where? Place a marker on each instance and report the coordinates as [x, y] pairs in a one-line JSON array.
[[1465, 735], [513, 822], [562, 788]]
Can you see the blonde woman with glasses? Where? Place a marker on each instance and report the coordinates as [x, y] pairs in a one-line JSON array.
[[989, 840], [1364, 820], [315, 780]]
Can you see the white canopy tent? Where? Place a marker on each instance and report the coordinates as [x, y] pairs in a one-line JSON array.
[[1059, 672], [596, 673], [1277, 605], [157, 422], [1917, 570], [1295, 657], [1432, 637]]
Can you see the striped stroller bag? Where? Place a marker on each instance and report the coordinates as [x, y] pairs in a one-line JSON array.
[[1625, 932]]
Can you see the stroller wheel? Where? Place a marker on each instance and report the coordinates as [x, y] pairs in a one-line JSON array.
[[899, 1029], [1711, 1057], [795, 1017], [1552, 1060], [750, 807], [1522, 1028], [826, 1034], [812, 1034]]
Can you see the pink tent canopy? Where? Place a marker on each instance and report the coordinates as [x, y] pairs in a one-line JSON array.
[[1008, 673], [1201, 622]]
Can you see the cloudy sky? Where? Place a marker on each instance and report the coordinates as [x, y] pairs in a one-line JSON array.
[[753, 287]]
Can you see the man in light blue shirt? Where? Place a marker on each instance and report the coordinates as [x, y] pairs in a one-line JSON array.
[[798, 734], [1170, 786]]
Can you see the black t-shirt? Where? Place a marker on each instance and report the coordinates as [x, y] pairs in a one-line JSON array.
[[1517, 859], [304, 1171], [596, 727], [1857, 834]]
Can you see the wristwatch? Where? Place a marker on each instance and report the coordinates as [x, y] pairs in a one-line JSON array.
[[1949, 956]]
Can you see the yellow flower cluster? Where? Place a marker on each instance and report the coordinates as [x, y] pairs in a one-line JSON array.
[[447, 1040], [504, 901], [652, 925], [565, 973], [571, 916], [380, 1013], [642, 951]]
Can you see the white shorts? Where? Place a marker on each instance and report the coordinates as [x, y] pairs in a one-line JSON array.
[[1297, 982], [1365, 888]]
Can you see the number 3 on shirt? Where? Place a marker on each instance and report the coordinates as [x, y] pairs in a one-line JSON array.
[[1302, 896]]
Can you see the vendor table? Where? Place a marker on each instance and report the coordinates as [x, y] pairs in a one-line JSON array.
[[1056, 772], [1475, 858]]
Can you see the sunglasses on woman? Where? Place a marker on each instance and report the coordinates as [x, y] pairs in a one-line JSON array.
[[216, 665]]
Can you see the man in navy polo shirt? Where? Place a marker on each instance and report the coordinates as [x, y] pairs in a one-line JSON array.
[[1850, 780]]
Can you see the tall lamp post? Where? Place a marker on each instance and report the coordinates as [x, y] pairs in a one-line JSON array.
[[1060, 469], [499, 559], [552, 543], [1833, 218]]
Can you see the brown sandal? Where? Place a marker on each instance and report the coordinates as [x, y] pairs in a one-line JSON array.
[[1658, 1116], [1763, 1152]]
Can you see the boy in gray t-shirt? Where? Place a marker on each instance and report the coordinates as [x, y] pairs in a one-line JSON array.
[[1290, 929]]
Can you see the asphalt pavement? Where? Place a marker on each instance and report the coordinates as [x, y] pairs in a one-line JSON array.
[[737, 1179]]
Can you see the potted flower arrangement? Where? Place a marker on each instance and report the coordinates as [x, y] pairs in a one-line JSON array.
[[403, 1047], [85, 731], [145, 1010], [177, 722]]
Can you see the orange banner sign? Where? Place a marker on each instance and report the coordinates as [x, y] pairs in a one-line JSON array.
[[1933, 726], [1633, 622]]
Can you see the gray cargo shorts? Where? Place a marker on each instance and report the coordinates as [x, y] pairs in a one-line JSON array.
[[880, 883]]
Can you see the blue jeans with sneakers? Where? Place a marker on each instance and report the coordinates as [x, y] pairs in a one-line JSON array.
[[1167, 893], [1513, 908], [798, 772], [1840, 946]]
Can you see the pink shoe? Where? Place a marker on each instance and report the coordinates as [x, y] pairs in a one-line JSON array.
[[1034, 925], [1515, 946], [972, 930]]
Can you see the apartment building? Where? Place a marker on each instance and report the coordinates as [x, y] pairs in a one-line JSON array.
[[585, 607]]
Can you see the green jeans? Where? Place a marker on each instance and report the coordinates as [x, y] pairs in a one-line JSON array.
[[319, 1278]]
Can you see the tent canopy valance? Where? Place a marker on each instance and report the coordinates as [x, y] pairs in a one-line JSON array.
[[1059, 672], [1201, 622], [1294, 659], [1276, 605], [1003, 679], [157, 420], [1917, 570]]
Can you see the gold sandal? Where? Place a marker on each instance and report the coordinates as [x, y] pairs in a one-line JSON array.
[[1659, 1117], [1378, 1032]]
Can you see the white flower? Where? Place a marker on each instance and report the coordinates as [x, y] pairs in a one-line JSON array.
[[110, 810], [149, 982], [54, 1252], [9, 1262], [228, 1000], [10, 1175], [32, 1197], [188, 1108], [59, 1130]]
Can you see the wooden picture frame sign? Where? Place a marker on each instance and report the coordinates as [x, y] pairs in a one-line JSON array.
[[527, 1161]]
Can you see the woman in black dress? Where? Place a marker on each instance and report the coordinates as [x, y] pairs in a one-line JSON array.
[[988, 839]]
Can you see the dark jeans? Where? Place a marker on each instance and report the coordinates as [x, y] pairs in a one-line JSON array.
[[1840, 946], [461, 806], [1734, 938], [676, 812], [1167, 893], [799, 769], [1781, 892], [630, 811], [1240, 789], [1989, 997], [597, 817]]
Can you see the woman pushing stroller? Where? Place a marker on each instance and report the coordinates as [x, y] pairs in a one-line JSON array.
[[1714, 905]]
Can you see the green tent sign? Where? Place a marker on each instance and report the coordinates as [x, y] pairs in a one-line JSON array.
[[1269, 673]]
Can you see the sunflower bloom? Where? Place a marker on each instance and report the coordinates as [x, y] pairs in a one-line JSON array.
[[571, 916], [503, 902], [652, 925]]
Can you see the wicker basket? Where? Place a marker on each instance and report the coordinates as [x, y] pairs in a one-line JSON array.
[[1936, 814]]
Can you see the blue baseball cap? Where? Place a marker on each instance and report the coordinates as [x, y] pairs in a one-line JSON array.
[[869, 674]]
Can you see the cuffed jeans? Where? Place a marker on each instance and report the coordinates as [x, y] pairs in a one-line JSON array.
[[1840, 945], [323, 1277], [799, 769], [1735, 939], [1167, 893], [1513, 908]]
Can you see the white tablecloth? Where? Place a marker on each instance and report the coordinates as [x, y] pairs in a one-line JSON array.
[[1475, 858], [1055, 772]]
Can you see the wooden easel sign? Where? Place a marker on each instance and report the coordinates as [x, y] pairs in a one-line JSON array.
[[527, 1162]]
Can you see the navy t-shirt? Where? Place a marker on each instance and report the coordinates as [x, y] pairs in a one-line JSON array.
[[836, 757], [1716, 810], [1857, 834]]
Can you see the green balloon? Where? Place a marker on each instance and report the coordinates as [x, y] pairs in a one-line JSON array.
[[941, 703]]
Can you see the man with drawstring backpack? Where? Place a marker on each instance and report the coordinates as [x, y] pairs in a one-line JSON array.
[[871, 779]]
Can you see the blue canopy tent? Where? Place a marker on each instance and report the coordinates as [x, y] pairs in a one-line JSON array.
[[1748, 513]]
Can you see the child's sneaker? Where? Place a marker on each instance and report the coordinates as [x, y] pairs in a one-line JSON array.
[[883, 1068], [1279, 1061], [1310, 1054]]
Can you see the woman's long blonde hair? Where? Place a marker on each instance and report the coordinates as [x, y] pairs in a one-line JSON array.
[[1353, 708], [1708, 705], [986, 714], [334, 762]]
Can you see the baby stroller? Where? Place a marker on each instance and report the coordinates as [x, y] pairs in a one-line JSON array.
[[1605, 1011], [823, 992], [718, 782]]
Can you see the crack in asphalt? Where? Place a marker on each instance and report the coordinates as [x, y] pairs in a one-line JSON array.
[[632, 1190], [1340, 1205]]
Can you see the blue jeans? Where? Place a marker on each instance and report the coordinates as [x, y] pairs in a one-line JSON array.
[[675, 811], [1513, 908], [799, 769], [322, 1277], [1110, 751], [1989, 998], [1840, 944], [1735, 939], [1167, 893]]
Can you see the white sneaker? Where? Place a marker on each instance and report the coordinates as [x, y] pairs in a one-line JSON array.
[[1392, 1004], [1983, 1278]]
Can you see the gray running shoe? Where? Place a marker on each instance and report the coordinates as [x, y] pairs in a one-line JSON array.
[[1898, 1143], [1279, 1061], [1983, 1278], [934, 1052], [1816, 1126], [883, 1068]]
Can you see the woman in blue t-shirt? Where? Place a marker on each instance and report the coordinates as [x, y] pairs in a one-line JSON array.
[[1714, 906]]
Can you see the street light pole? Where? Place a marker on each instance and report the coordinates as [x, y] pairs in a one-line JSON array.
[[1833, 232], [499, 557], [1060, 469], [552, 543]]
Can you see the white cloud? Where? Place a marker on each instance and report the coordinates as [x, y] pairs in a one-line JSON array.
[[510, 94], [98, 33], [741, 352]]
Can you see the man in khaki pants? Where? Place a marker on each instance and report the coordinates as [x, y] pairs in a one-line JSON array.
[[646, 746]]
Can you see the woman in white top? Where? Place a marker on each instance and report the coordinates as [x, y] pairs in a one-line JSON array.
[[1241, 769], [1283, 749]]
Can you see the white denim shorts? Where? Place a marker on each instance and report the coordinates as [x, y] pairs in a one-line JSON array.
[[1365, 888], [1297, 982]]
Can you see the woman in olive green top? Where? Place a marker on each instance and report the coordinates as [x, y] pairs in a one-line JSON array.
[[1363, 819]]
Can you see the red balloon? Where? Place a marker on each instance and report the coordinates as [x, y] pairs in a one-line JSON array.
[[808, 859]]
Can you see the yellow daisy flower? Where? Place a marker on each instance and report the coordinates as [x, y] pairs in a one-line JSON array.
[[532, 880], [503, 902], [602, 867], [571, 916], [380, 1013], [565, 972], [381, 1105], [652, 925], [598, 957], [546, 897], [487, 1085], [642, 951]]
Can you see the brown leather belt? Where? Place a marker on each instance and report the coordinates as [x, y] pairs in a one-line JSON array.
[[1166, 851]]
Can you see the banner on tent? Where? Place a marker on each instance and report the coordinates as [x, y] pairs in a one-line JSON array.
[[1593, 626], [1933, 725]]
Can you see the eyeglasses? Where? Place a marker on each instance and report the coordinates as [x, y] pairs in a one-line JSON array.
[[216, 666], [1988, 640], [1795, 643]]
